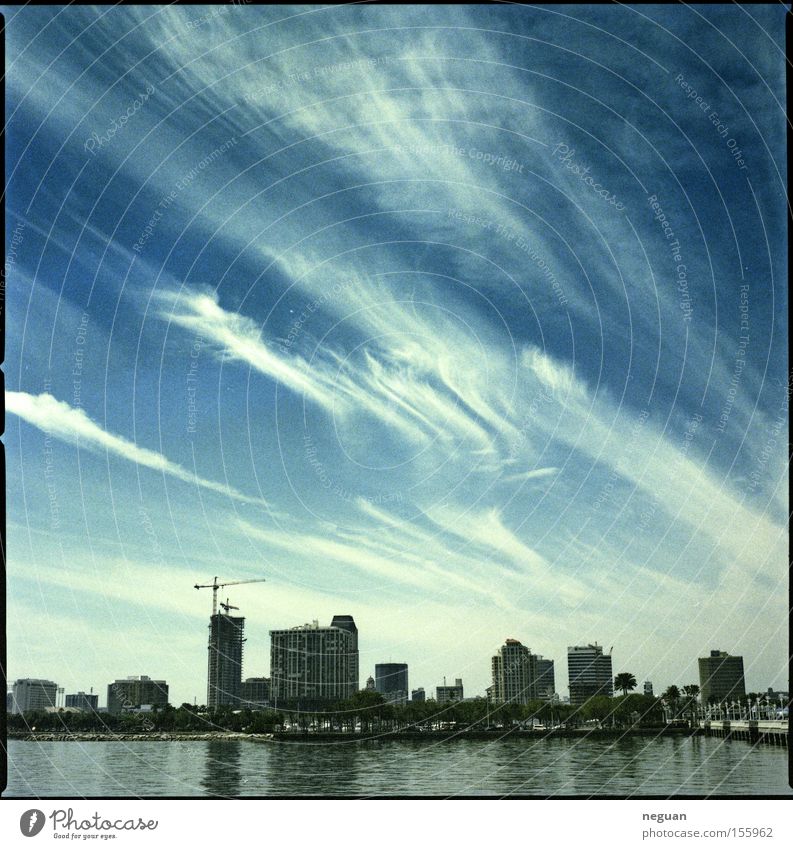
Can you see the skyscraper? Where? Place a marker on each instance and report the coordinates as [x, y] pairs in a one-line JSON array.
[[224, 675], [589, 673], [546, 678], [347, 623], [34, 694], [721, 677], [310, 662], [520, 676], [391, 680], [514, 670]]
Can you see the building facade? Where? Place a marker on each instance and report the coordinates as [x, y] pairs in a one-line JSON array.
[[418, 695], [450, 692], [589, 673], [347, 623], [34, 694], [520, 676], [648, 688], [255, 693], [224, 665], [314, 663], [721, 677], [83, 701], [514, 671], [546, 678], [131, 693], [391, 681]]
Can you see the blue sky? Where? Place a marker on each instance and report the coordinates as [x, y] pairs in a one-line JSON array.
[[430, 316]]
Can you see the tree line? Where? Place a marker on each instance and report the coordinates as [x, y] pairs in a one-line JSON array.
[[366, 712]]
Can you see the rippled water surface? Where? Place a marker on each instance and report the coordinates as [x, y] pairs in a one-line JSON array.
[[636, 766]]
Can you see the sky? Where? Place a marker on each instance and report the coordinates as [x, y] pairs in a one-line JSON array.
[[466, 321]]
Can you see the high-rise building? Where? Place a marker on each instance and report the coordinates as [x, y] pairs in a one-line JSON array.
[[546, 679], [391, 680], [309, 662], [721, 677], [131, 693], [347, 623], [224, 667], [648, 688], [449, 692], [370, 684], [514, 670], [83, 701], [255, 693], [34, 694], [589, 673], [520, 676], [418, 695]]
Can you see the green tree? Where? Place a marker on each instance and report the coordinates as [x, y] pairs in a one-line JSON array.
[[690, 691], [672, 698], [625, 681]]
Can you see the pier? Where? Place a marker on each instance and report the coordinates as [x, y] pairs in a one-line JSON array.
[[773, 731]]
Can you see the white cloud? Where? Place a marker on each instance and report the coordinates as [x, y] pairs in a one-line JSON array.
[[73, 425]]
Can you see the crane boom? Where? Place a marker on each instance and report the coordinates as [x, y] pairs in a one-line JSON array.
[[215, 586]]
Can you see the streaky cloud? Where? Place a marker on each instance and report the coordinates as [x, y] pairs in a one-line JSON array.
[[73, 425]]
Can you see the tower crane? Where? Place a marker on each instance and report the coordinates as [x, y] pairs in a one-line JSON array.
[[214, 672], [215, 586]]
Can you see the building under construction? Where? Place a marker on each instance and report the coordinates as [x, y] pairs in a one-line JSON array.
[[224, 678]]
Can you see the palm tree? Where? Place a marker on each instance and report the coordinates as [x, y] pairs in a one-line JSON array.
[[625, 681], [672, 696], [691, 691]]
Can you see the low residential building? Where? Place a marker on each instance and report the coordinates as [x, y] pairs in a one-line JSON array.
[[255, 693], [449, 692], [136, 692], [83, 701]]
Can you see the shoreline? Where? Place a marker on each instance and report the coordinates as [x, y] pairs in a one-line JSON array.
[[335, 736]]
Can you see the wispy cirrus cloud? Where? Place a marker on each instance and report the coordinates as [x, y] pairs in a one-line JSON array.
[[390, 559], [398, 384], [74, 425]]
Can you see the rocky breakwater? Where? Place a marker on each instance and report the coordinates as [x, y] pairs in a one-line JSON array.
[[137, 736]]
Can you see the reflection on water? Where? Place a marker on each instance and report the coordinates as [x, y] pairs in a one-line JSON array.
[[635, 766], [328, 769], [222, 768]]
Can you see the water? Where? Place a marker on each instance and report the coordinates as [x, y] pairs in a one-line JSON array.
[[635, 766]]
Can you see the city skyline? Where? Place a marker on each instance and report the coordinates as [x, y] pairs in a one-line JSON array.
[[702, 678], [467, 333]]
